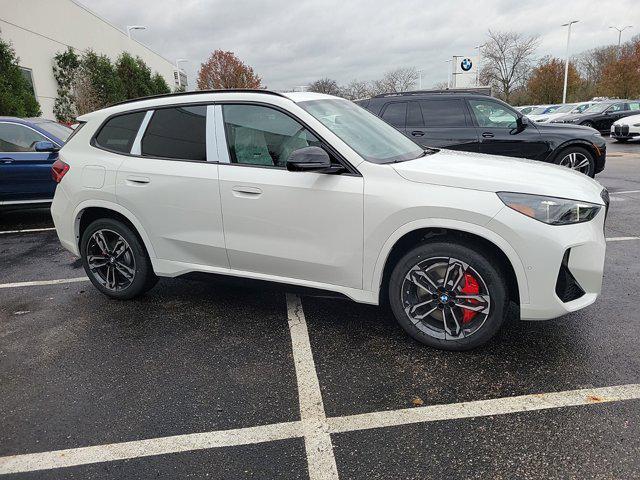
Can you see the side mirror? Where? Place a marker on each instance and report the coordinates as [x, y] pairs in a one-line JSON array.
[[522, 122], [308, 159], [45, 146]]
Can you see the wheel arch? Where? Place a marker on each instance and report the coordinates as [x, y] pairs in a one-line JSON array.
[[86, 212], [411, 234], [590, 147]]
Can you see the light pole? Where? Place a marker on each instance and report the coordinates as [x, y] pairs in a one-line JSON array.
[[134, 27], [178, 71], [420, 70], [620, 30], [478, 47], [566, 63]]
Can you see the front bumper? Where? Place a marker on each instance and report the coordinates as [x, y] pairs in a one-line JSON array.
[[542, 249], [625, 132]]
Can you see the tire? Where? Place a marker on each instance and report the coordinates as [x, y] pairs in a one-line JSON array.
[[563, 158], [132, 260], [433, 331]]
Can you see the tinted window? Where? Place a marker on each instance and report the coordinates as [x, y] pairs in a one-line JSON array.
[[634, 106], [414, 116], [61, 131], [492, 114], [264, 136], [443, 113], [618, 107], [395, 114], [18, 138], [177, 132], [119, 132]]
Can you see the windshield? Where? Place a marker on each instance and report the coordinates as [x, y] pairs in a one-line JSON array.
[[373, 139], [597, 108], [566, 108], [56, 130]]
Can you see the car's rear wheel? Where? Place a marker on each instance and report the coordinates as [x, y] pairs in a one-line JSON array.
[[115, 260], [577, 158], [448, 296]]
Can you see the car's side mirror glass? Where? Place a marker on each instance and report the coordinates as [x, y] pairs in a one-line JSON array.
[[45, 146], [308, 159]]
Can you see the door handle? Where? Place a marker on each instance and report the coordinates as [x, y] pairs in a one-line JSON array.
[[6, 160], [417, 133], [138, 180], [487, 135], [246, 191]]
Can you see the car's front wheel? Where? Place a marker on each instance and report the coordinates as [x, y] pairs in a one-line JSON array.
[[448, 296], [115, 260], [577, 158]]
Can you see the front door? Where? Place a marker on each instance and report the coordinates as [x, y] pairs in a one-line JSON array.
[[170, 184], [499, 133], [25, 175], [277, 223]]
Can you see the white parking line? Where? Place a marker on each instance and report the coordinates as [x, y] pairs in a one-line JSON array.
[[621, 239], [288, 430], [27, 230], [317, 441], [38, 283], [627, 191]]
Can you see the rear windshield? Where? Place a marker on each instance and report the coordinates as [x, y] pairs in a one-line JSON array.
[[57, 130]]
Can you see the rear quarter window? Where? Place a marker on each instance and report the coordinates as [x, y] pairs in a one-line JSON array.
[[178, 133], [118, 133]]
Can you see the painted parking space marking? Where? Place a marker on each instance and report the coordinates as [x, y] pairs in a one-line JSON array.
[[621, 239], [38, 283], [317, 441], [27, 230]]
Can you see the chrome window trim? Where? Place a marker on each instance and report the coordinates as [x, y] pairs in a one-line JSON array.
[[33, 129], [136, 148]]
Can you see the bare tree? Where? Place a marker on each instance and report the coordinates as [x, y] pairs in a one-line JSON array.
[[507, 59], [356, 90], [395, 81], [324, 85]]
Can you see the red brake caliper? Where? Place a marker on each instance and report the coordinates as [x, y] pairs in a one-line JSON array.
[[471, 287]]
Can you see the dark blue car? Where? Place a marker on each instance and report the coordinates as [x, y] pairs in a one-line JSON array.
[[28, 148]]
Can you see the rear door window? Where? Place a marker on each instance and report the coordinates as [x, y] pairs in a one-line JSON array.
[[178, 133], [443, 113], [414, 115], [395, 113], [119, 132], [635, 106]]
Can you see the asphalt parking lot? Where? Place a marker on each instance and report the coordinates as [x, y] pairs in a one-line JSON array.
[[230, 381]]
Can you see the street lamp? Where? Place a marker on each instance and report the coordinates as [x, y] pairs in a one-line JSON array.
[[420, 70], [566, 63], [478, 47], [134, 27], [620, 30], [178, 71], [450, 61]]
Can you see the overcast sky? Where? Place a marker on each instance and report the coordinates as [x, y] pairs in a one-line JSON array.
[[291, 43]]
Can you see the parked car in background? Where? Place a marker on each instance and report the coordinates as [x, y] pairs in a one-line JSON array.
[[602, 115], [28, 148], [627, 128], [311, 190], [566, 109], [526, 109], [542, 110], [479, 123]]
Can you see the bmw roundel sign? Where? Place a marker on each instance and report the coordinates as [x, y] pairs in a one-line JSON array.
[[466, 64]]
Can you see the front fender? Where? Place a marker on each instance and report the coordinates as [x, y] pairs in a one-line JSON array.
[[489, 235]]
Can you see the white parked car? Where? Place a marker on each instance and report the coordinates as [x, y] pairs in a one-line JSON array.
[[627, 128], [566, 109], [312, 190]]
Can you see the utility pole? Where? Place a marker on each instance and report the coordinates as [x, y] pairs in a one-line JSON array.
[[478, 47], [420, 70], [620, 30], [450, 61], [566, 63]]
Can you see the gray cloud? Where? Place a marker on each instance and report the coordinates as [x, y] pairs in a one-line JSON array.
[[293, 43]]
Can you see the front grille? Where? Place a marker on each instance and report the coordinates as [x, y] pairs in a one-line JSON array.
[[621, 130], [567, 287]]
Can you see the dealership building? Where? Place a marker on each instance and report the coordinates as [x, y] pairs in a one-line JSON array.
[[39, 29]]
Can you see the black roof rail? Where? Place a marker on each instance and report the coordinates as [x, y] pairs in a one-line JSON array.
[[196, 92], [472, 91]]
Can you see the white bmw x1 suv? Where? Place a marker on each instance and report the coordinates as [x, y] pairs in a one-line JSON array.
[[314, 191]]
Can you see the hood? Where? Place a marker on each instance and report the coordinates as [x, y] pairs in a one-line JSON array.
[[566, 128], [493, 173]]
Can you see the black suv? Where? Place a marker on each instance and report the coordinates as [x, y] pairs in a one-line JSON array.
[[602, 115], [480, 123]]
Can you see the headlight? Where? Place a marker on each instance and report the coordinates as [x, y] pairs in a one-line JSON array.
[[550, 210]]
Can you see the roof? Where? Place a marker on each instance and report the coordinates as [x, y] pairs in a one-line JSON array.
[[480, 91]]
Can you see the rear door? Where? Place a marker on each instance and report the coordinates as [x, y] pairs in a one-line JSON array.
[[169, 181], [611, 114], [395, 113], [442, 122], [25, 175], [499, 134]]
